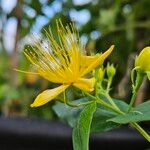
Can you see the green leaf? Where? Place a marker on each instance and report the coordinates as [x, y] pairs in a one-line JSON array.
[[121, 104], [137, 114], [143, 107], [100, 117], [100, 123], [81, 132], [67, 113]]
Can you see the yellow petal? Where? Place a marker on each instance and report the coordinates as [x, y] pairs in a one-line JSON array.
[[85, 84], [87, 60], [97, 61], [48, 95]]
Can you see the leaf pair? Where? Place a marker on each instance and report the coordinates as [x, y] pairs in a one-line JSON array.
[[95, 118]]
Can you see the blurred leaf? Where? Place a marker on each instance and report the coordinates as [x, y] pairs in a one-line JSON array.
[[36, 6], [148, 74], [3, 90], [141, 9], [13, 94]]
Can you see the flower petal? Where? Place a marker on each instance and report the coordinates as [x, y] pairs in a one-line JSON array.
[[48, 95], [85, 84], [87, 60], [97, 61]]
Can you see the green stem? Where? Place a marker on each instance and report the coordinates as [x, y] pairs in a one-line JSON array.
[[103, 103], [108, 85], [117, 110], [78, 105], [99, 101], [139, 80], [137, 127], [111, 101], [96, 88]]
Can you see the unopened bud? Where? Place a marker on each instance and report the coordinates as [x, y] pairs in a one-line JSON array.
[[143, 60], [101, 73], [111, 70]]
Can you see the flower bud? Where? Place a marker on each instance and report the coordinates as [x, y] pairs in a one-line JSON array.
[[101, 73], [143, 60], [111, 70]]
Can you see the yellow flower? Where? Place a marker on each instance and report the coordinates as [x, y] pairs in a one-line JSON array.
[[64, 62], [143, 60]]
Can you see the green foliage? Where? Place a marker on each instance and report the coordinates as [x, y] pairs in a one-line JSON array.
[[3, 90], [81, 131], [100, 117], [137, 114], [67, 113], [100, 123]]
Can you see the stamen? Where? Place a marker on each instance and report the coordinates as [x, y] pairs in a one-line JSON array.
[[27, 72], [57, 58]]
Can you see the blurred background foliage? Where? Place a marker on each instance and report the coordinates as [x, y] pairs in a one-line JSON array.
[[101, 23]]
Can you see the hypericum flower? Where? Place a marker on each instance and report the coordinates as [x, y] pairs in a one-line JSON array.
[[64, 62], [142, 62]]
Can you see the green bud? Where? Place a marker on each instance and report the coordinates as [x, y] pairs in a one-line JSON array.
[[111, 70], [143, 60], [101, 73]]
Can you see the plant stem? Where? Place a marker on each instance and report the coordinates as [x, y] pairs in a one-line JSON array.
[[137, 127], [111, 101], [117, 110], [103, 103], [145, 24], [134, 124], [99, 101], [78, 105], [108, 85], [138, 83]]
